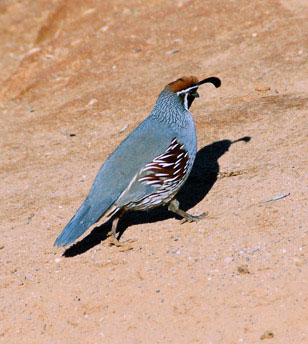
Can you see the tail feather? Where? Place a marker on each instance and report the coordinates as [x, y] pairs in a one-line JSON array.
[[81, 221]]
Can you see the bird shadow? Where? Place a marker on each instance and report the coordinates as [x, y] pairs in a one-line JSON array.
[[203, 176]]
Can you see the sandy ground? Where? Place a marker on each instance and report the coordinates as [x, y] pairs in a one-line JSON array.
[[76, 77]]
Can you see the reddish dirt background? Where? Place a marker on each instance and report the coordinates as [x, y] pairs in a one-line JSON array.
[[73, 74]]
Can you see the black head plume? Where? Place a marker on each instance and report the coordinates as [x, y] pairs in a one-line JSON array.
[[213, 80]]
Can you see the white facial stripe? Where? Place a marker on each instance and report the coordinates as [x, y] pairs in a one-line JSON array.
[[186, 90], [186, 102]]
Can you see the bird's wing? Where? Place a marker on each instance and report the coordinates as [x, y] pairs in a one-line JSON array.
[[158, 179], [138, 149]]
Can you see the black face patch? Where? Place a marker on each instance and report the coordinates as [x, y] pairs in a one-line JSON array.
[[190, 99]]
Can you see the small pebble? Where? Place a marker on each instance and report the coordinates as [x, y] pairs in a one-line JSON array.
[[243, 269], [123, 128], [67, 133], [89, 11], [267, 335], [262, 88], [172, 51], [92, 101]]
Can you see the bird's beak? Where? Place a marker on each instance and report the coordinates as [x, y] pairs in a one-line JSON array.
[[195, 94]]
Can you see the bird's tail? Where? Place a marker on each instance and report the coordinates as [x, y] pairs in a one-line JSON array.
[[80, 222]]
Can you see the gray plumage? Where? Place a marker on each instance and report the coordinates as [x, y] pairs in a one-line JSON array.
[[131, 178]]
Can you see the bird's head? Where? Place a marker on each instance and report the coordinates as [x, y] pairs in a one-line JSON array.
[[187, 88]]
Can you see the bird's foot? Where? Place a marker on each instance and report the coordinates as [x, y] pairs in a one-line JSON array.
[[112, 241], [123, 246], [193, 218], [174, 206]]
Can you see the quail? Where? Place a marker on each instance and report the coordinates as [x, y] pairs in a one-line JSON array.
[[149, 167]]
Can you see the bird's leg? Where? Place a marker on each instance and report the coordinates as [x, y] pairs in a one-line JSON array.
[[115, 223], [114, 227], [113, 241], [174, 206]]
